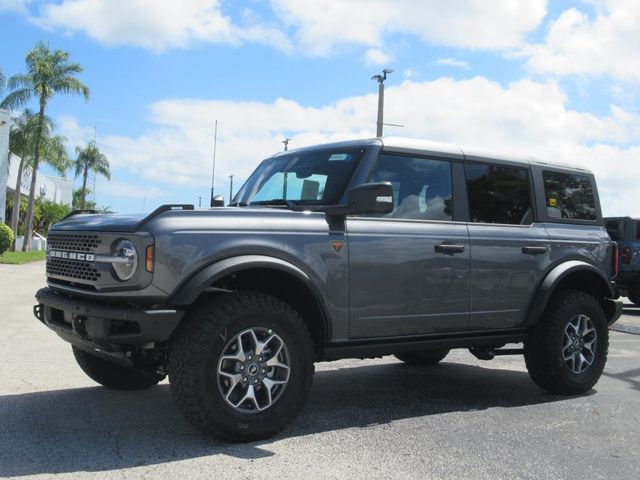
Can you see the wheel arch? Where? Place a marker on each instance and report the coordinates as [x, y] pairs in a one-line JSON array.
[[575, 275], [264, 274]]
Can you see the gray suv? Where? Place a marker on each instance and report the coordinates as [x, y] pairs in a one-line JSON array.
[[354, 249]]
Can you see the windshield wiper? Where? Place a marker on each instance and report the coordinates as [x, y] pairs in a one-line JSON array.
[[238, 204], [275, 202]]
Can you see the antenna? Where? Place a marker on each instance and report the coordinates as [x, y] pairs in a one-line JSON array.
[[213, 167]]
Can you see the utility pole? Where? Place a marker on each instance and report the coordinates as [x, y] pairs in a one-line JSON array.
[[231, 188], [286, 143], [380, 79], [213, 167]]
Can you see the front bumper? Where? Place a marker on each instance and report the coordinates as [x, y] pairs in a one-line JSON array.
[[90, 324]]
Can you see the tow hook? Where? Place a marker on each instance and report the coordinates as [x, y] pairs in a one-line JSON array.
[[37, 312]]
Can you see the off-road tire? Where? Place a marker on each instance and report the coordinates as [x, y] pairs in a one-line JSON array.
[[634, 294], [423, 358], [196, 349], [543, 348], [112, 375]]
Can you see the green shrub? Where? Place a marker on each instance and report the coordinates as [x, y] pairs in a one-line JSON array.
[[6, 238]]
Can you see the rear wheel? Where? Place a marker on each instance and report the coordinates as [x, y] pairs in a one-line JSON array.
[[422, 358], [567, 351], [241, 365], [113, 375]]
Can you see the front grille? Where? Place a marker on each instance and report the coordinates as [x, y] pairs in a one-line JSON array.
[[74, 242], [72, 269]]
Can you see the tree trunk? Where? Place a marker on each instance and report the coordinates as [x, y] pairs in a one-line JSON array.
[[28, 227], [84, 188], [15, 214]]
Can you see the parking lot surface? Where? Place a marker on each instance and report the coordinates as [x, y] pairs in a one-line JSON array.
[[364, 418]]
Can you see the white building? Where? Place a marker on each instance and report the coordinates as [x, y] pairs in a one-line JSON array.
[[55, 189], [4, 160]]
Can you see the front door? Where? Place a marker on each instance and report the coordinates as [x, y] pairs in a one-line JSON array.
[[409, 270]]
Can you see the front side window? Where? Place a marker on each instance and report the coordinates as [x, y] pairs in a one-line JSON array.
[[569, 196], [313, 177], [498, 194], [421, 186]]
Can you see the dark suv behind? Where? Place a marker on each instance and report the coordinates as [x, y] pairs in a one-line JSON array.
[[352, 249], [625, 231]]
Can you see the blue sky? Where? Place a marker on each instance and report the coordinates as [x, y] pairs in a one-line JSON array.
[[553, 79]]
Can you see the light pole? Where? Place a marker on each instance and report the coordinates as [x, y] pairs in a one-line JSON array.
[[286, 143], [230, 188], [380, 79]]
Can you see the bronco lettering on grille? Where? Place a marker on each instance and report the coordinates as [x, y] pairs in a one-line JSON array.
[[88, 257]]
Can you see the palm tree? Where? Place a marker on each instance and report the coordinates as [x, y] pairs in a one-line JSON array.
[[22, 143], [2, 80], [90, 159], [48, 73]]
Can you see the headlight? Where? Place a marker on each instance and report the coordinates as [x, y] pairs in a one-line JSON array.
[[125, 260]]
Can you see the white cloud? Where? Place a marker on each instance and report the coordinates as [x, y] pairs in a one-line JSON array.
[[410, 74], [608, 44], [452, 62], [375, 56], [319, 28], [17, 6], [152, 24], [116, 188], [525, 118], [475, 24]]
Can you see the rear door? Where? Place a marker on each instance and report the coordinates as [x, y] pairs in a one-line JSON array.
[[409, 270], [510, 251]]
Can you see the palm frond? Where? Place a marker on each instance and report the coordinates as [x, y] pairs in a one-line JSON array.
[[17, 99], [20, 81], [70, 85]]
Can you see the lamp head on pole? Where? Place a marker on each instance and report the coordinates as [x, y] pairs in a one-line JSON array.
[[383, 77]]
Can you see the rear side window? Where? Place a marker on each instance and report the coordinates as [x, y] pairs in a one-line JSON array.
[[569, 196], [498, 194]]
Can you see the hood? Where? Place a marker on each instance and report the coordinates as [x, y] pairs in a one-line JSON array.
[[108, 222]]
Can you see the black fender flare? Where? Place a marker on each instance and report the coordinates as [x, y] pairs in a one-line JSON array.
[[554, 278], [190, 290]]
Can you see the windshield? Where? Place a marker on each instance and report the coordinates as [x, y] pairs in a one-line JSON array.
[[315, 177]]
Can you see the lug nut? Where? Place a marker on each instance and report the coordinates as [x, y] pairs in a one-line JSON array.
[[241, 367], [255, 381], [245, 379]]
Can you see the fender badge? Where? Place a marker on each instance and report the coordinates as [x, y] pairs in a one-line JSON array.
[[337, 245]]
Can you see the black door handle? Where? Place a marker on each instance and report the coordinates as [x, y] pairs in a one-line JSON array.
[[448, 249], [533, 250]]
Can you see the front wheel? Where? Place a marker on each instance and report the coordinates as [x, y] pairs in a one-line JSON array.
[[567, 351], [240, 366], [113, 375]]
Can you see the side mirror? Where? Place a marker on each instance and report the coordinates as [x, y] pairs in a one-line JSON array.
[[371, 198], [217, 201]]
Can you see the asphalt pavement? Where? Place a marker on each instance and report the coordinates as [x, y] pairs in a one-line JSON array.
[[367, 419]]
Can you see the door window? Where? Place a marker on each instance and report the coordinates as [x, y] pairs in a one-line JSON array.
[[421, 186], [498, 194]]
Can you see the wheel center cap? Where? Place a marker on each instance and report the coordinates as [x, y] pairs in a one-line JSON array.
[[253, 369]]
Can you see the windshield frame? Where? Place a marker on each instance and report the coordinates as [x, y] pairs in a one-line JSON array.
[[245, 195]]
